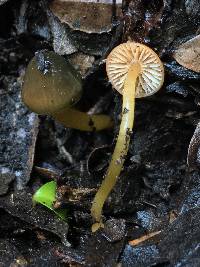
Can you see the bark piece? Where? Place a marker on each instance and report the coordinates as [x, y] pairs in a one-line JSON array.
[[140, 18], [18, 135], [193, 157]]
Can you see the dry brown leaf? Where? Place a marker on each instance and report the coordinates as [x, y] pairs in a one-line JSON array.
[[88, 15], [188, 54]]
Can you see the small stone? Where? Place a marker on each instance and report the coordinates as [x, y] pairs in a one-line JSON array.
[[114, 230]]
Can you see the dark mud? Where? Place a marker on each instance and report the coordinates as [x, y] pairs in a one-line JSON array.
[[156, 190]]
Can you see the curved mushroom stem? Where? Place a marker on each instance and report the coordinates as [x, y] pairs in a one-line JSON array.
[[121, 147], [82, 121]]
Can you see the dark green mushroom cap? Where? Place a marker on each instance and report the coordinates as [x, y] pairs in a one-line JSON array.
[[50, 83]]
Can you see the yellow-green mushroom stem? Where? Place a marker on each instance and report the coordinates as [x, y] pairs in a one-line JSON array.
[[52, 86], [76, 119], [121, 147]]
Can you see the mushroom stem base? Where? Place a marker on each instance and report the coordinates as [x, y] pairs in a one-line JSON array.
[[121, 147], [75, 119]]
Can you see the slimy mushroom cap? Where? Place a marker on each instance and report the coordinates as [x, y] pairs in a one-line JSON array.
[[151, 76], [50, 84]]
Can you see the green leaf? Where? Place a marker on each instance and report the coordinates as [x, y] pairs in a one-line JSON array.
[[46, 195]]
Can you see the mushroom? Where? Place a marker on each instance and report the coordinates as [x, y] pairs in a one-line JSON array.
[[52, 86], [134, 71]]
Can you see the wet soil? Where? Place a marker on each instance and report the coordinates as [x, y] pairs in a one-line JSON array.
[[156, 192]]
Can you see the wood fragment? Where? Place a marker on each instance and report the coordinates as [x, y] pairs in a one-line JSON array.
[[143, 238]]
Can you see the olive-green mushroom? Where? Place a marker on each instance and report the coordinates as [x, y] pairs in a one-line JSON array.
[[52, 86]]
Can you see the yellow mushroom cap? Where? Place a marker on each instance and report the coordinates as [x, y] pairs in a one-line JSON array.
[[50, 84], [120, 59]]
